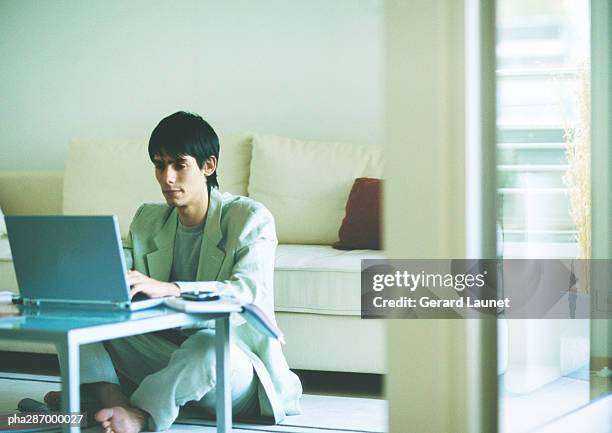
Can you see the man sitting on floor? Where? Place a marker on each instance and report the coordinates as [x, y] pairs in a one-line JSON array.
[[200, 240]]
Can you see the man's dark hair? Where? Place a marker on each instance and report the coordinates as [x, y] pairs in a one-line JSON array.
[[182, 134]]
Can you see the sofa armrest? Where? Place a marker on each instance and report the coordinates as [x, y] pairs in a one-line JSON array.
[[31, 192]]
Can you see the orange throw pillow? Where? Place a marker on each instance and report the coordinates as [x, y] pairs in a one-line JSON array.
[[361, 227]]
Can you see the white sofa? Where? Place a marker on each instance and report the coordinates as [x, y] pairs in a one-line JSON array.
[[304, 184]]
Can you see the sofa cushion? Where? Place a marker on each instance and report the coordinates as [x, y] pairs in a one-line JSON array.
[[361, 226], [234, 162], [35, 192], [7, 271], [5, 250], [305, 184], [104, 178], [8, 281], [319, 279]]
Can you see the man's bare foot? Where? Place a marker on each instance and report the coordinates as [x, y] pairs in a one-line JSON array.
[[121, 420], [105, 395]]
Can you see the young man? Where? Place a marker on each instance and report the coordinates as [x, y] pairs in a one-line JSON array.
[[200, 239]]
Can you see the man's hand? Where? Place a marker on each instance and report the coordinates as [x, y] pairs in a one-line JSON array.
[[140, 283]]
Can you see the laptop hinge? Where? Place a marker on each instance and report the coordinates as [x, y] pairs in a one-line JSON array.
[[31, 302], [40, 303]]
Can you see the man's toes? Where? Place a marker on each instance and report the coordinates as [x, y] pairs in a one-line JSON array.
[[104, 415]]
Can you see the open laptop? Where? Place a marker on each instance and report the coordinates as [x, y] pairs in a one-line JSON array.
[[71, 261]]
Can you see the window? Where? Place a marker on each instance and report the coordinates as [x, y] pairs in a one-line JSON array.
[[542, 62], [542, 73]]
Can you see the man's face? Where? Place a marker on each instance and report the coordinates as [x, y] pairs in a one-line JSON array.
[[182, 182]]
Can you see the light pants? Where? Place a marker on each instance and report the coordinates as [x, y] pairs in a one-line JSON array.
[[169, 376]]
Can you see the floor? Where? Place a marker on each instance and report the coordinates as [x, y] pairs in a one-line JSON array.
[[332, 402], [340, 414], [521, 413]]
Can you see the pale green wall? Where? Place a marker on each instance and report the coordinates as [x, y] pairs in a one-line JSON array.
[[112, 69]]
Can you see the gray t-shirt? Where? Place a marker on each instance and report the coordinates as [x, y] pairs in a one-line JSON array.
[[187, 246]]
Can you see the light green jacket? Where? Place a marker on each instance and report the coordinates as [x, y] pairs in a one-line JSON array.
[[237, 256]]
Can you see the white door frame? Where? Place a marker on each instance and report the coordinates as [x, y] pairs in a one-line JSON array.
[[601, 178], [440, 119]]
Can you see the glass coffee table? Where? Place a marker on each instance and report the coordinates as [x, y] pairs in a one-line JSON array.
[[68, 329]]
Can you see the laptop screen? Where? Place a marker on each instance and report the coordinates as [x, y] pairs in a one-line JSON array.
[[68, 258]]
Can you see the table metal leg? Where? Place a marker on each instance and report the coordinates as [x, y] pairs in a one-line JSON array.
[[68, 353], [224, 394]]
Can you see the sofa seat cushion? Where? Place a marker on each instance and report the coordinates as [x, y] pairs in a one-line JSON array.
[[319, 279], [307, 278]]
